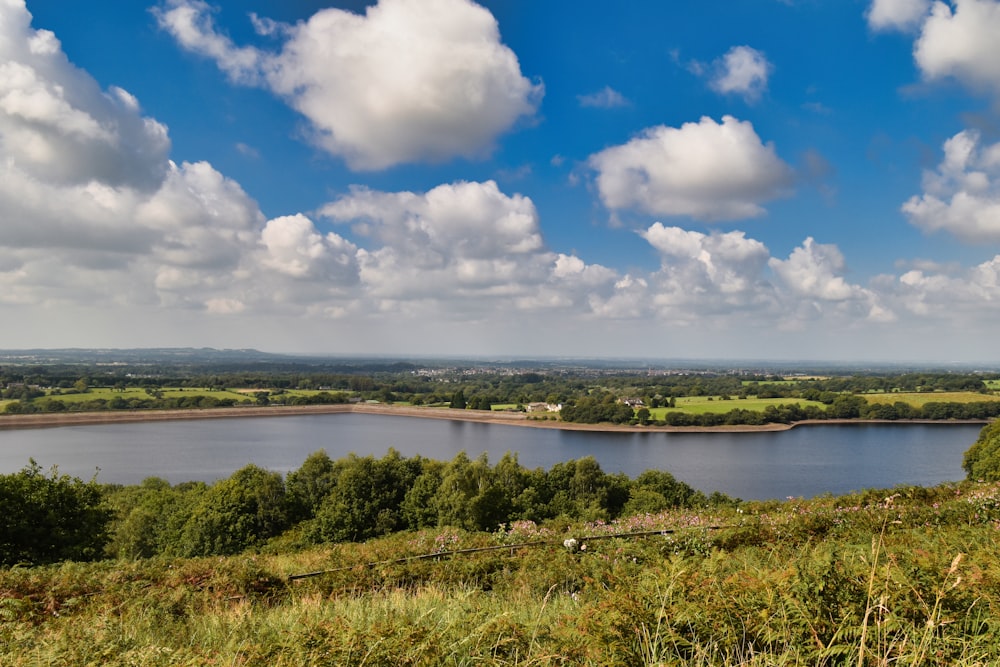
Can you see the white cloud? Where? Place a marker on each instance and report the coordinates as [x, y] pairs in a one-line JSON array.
[[190, 23], [456, 239], [903, 15], [406, 82], [92, 211], [815, 272], [962, 296], [606, 98], [742, 71], [962, 196], [706, 170], [203, 219], [466, 250], [294, 247], [56, 124], [707, 274], [962, 43]]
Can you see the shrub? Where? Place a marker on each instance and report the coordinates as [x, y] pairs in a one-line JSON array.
[[982, 459], [44, 519]]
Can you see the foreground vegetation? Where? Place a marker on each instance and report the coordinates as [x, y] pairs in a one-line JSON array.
[[902, 577], [47, 518]]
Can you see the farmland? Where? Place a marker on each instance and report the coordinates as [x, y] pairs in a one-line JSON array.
[[920, 399], [700, 405]]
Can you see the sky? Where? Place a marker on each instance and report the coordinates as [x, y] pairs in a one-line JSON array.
[[776, 179]]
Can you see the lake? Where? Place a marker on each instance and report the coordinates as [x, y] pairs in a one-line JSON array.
[[805, 461]]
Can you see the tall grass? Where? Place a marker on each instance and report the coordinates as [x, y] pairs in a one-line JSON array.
[[910, 578]]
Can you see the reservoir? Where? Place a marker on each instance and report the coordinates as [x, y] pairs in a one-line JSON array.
[[803, 462]]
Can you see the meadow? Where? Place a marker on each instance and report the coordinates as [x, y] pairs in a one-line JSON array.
[[108, 393], [920, 399], [905, 576], [700, 405]]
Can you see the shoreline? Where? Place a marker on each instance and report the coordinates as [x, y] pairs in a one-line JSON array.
[[59, 419]]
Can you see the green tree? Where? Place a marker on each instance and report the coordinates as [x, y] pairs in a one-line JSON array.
[[674, 492], [642, 414], [308, 486], [469, 496], [150, 517], [48, 518], [237, 513], [417, 509], [982, 459], [458, 400], [366, 498]]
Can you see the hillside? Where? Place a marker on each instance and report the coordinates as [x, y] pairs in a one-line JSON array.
[[907, 576]]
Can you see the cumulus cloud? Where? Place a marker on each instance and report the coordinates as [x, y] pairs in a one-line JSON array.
[[815, 272], [465, 247], [742, 71], [57, 125], [706, 170], [76, 159], [459, 238], [606, 98], [406, 82], [961, 42], [902, 15], [947, 294], [962, 196], [705, 274], [295, 248], [93, 211]]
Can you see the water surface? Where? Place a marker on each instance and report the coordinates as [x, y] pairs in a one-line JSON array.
[[804, 461]]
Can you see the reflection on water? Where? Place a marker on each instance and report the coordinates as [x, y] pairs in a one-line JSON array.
[[804, 461]]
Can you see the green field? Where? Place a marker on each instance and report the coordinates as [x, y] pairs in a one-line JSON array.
[[919, 399], [747, 383], [700, 405], [107, 393]]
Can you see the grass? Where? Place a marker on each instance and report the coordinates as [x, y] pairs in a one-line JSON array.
[[108, 393], [919, 399], [786, 382], [908, 576], [715, 405]]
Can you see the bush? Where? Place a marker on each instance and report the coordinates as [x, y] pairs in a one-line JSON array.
[[44, 519], [237, 513], [982, 460]]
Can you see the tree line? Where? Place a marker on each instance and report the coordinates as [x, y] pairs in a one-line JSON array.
[[584, 391], [51, 517], [591, 410]]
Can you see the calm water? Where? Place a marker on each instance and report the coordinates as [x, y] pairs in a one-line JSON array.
[[804, 461]]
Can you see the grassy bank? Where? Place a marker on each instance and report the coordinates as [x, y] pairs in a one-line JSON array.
[[903, 577]]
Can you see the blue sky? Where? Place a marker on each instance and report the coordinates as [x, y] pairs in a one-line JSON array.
[[797, 179]]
